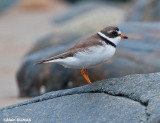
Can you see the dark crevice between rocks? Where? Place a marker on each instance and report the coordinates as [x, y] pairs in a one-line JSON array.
[[66, 94], [147, 114], [121, 95], [145, 104]]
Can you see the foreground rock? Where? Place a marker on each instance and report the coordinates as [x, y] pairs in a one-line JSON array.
[[133, 99], [139, 54]]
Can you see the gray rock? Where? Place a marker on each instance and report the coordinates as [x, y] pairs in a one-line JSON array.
[[74, 1], [78, 9], [96, 16], [139, 54], [4, 4], [54, 39], [145, 10], [133, 99]]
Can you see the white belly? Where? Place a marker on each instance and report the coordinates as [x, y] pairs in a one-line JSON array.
[[89, 58]]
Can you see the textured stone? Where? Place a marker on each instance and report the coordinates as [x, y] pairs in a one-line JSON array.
[[132, 98]]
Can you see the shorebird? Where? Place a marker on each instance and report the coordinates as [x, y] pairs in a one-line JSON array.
[[90, 52]]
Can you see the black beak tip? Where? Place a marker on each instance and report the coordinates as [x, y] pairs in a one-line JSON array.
[[125, 37]]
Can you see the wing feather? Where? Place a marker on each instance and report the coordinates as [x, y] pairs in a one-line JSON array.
[[80, 46]]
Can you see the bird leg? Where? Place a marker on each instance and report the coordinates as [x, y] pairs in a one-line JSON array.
[[84, 73]]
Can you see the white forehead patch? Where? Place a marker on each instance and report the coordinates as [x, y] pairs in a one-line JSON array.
[[110, 31], [119, 32]]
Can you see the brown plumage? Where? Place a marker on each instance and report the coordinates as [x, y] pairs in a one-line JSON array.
[[80, 46]]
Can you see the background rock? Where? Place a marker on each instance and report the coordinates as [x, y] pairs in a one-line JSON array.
[[73, 1], [145, 10], [134, 55], [4, 4], [87, 17], [133, 98]]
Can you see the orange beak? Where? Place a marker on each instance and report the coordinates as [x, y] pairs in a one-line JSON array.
[[123, 36]]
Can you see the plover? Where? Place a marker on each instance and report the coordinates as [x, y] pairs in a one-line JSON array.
[[90, 52]]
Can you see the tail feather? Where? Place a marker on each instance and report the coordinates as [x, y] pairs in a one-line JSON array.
[[40, 62], [43, 61], [52, 59]]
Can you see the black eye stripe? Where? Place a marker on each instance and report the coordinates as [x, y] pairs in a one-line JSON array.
[[114, 33]]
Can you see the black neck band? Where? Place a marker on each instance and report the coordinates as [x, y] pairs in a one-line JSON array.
[[106, 40]]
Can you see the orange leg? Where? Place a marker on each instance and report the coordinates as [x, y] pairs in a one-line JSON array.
[[84, 73]]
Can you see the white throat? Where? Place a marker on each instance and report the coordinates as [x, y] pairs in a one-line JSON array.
[[113, 40]]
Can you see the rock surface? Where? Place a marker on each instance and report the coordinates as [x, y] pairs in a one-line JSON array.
[[145, 10], [139, 54], [133, 99]]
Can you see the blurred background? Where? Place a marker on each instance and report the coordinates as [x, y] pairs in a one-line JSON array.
[[31, 30]]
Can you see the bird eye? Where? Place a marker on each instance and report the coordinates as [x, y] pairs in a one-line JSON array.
[[114, 33]]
